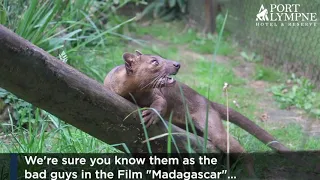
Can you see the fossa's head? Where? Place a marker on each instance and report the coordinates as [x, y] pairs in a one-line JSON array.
[[150, 71]]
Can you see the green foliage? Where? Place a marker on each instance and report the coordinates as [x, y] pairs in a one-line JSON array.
[[298, 92], [37, 26], [221, 75], [3, 15], [207, 44], [70, 26], [96, 63], [46, 133], [11, 12], [57, 24], [176, 34], [267, 74], [294, 134], [165, 9], [219, 24], [253, 57], [22, 109], [195, 41]]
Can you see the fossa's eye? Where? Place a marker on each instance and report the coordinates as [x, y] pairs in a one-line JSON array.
[[155, 62]]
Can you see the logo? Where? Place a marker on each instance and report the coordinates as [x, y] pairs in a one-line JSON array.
[[285, 15], [262, 15]]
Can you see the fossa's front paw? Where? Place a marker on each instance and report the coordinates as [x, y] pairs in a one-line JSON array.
[[150, 117]]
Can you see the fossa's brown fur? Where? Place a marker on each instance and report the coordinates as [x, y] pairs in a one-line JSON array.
[[147, 79]]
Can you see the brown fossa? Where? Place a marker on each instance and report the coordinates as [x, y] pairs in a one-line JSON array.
[[148, 79]]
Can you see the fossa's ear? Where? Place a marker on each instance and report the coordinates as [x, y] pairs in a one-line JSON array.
[[129, 59], [138, 53]]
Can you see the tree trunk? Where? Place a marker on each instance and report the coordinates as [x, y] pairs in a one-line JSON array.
[[211, 12], [39, 78]]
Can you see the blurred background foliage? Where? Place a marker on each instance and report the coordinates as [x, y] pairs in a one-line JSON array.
[[165, 9]]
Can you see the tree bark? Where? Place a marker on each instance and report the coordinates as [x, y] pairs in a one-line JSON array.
[[211, 12], [39, 78]]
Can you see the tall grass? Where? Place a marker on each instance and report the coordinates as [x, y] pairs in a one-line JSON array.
[[46, 133], [55, 26]]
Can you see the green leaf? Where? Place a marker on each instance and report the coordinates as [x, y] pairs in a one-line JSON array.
[[244, 55], [170, 16], [3, 16], [26, 21], [172, 3], [158, 9], [307, 106], [182, 5], [66, 37], [148, 9], [45, 21], [316, 112]]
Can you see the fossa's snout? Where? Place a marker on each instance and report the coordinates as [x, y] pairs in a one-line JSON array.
[[176, 65]]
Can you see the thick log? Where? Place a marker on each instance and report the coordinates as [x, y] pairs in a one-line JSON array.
[[39, 78]]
